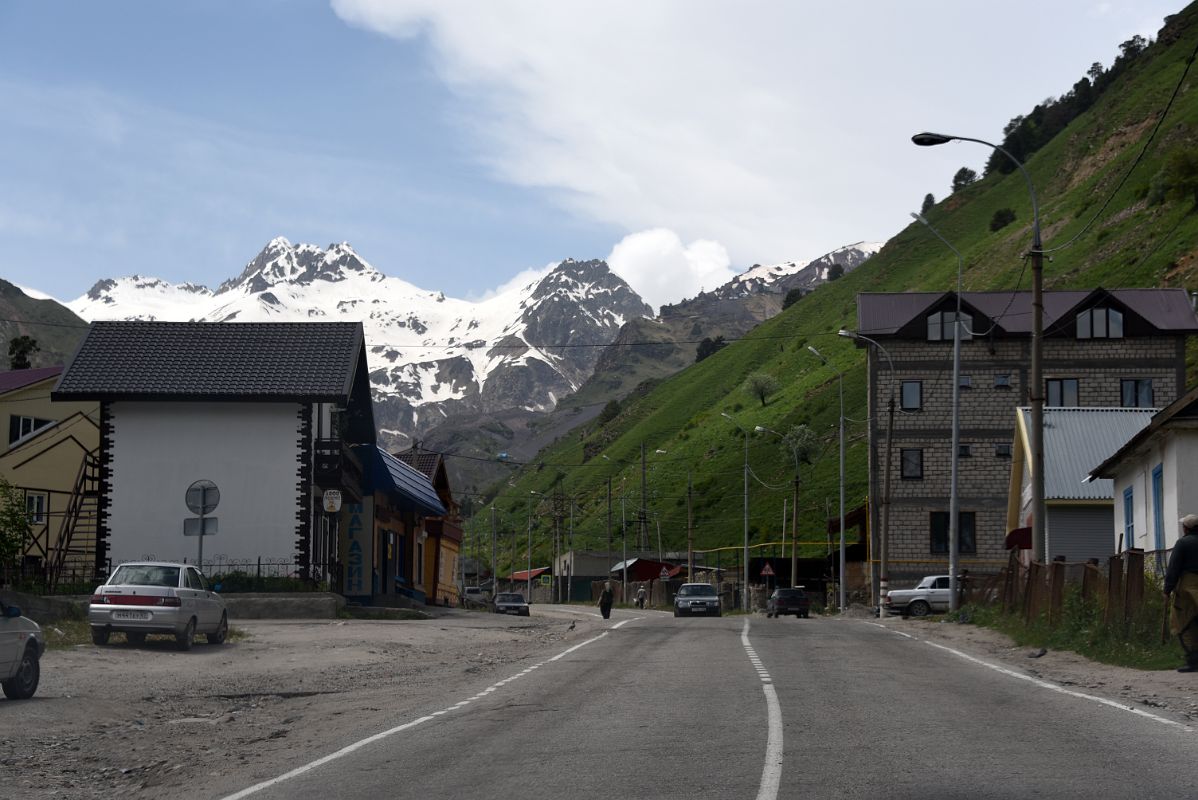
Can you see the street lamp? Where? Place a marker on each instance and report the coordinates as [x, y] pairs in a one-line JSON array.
[[954, 501], [1036, 393], [840, 379], [884, 533], [794, 541], [745, 591], [528, 574]]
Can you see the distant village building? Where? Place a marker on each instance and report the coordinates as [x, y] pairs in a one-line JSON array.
[[1117, 348]]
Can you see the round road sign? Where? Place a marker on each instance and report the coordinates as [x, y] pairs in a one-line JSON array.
[[202, 497]]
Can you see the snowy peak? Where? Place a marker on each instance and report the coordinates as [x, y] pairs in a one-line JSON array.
[[798, 274], [301, 265]]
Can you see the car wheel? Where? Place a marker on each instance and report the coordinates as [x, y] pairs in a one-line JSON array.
[[222, 630], [184, 640], [22, 685], [676, 614], [719, 613], [525, 612], [100, 636], [919, 608], [135, 638]]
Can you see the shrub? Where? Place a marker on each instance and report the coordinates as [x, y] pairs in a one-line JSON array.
[[1002, 218]]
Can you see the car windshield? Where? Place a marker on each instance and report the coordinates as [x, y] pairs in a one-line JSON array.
[[509, 598], [697, 590], [144, 575]]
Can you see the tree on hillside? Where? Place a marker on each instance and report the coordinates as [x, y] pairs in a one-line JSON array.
[[761, 385], [928, 202], [1177, 179], [14, 527], [963, 178], [835, 271], [792, 297], [20, 348], [802, 442], [708, 346], [1002, 218], [609, 412]]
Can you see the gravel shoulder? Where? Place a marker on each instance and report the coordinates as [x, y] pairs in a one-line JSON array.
[[143, 721]]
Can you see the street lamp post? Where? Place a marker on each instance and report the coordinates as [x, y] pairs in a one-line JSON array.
[[745, 591], [1036, 390], [840, 379], [884, 533], [794, 541], [954, 500], [528, 574]]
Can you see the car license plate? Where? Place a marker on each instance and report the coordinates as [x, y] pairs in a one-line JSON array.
[[131, 615]]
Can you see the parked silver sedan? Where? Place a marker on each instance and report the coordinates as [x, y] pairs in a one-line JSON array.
[[157, 597], [21, 648], [511, 603]]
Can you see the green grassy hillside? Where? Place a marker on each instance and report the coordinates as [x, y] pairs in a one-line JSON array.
[[1138, 240]]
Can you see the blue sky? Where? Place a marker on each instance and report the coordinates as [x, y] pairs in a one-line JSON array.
[[456, 144]]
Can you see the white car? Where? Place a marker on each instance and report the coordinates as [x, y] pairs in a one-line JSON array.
[[21, 648], [932, 594], [157, 597]]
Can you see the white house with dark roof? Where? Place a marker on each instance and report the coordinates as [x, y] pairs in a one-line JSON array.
[[266, 411], [1101, 348], [1155, 477], [1079, 510]]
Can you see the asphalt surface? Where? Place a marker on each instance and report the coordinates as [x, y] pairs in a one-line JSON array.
[[648, 706]]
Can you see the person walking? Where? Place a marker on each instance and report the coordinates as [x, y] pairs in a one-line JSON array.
[[640, 597], [1181, 588], [605, 600]]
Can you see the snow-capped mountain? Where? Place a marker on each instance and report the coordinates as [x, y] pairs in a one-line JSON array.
[[430, 356], [797, 274]]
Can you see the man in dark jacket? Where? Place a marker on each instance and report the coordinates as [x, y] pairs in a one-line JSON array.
[[1181, 587]]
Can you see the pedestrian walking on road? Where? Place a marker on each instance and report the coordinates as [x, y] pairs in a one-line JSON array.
[[640, 597], [1181, 588], [606, 597]]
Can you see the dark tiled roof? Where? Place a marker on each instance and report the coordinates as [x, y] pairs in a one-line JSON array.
[[283, 361], [882, 313], [394, 475], [18, 378], [422, 462]]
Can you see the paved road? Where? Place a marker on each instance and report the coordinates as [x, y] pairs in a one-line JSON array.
[[650, 706]]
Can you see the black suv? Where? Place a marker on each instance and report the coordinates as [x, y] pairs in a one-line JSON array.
[[788, 601]]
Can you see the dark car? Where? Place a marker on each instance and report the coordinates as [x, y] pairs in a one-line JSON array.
[[697, 598], [511, 603], [789, 601]]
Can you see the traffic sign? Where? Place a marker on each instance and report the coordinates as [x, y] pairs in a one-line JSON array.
[[202, 497], [767, 571], [191, 526], [665, 573], [332, 500]]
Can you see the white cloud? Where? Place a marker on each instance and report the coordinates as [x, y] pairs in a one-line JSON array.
[[518, 281], [781, 130], [663, 270]]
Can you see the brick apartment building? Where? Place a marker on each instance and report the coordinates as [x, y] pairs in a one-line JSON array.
[[1120, 348]]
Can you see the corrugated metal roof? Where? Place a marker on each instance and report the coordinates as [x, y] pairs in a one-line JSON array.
[[18, 378], [1076, 440], [522, 574], [411, 484], [882, 313], [304, 361]]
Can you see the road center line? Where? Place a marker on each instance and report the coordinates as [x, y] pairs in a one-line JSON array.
[[458, 706], [771, 772]]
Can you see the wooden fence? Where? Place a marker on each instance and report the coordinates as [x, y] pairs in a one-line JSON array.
[[1038, 590]]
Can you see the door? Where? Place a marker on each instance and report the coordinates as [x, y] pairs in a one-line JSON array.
[[938, 596], [209, 600], [201, 605], [9, 639]]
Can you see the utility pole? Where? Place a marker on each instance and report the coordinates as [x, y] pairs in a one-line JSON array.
[[494, 562], [642, 540], [609, 517], [690, 531], [794, 533]]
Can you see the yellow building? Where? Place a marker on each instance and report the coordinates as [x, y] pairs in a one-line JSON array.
[[49, 457]]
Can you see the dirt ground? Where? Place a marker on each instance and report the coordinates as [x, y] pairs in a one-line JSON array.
[[122, 721]]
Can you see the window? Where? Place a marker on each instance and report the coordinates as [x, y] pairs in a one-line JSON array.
[[964, 382], [1002, 450], [1100, 323], [193, 580], [911, 463], [1129, 519], [20, 427], [1002, 380], [912, 399], [35, 507], [1061, 392], [1158, 506], [940, 326], [964, 451], [1136, 392], [966, 537]]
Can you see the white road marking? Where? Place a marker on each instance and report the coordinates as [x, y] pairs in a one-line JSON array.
[[771, 772], [461, 704], [1045, 684]]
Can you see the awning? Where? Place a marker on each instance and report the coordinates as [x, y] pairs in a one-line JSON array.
[[1020, 538], [389, 474], [523, 574]]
